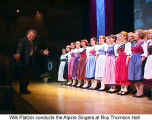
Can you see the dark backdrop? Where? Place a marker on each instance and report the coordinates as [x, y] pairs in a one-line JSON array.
[[61, 21], [124, 15]]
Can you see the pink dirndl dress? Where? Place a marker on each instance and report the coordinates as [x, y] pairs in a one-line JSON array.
[[109, 76]]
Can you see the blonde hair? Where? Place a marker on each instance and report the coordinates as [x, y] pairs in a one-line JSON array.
[[77, 42], [145, 33], [124, 33], [68, 46], [141, 33]]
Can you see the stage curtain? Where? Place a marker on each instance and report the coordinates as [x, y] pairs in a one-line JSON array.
[[109, 6], [101, 17], [93, 18]]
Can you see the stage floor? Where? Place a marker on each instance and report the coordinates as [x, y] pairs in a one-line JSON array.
[[54, 98]]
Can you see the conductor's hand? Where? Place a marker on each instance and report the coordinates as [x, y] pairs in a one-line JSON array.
[[17, 56]]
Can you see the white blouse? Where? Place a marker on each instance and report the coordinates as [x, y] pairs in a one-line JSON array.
[[145, 49], [89, 48], [128, 48]]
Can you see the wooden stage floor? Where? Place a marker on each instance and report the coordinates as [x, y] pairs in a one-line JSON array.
[[54, 98]]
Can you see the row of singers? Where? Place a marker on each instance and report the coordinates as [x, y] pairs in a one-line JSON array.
[[121, 60]]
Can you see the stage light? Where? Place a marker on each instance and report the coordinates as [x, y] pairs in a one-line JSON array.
[[38, 15]]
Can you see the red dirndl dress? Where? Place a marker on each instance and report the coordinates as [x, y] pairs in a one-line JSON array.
[[82, 66], [122, 67]]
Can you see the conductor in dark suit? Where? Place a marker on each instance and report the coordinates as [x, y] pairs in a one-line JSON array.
[[25, 54]]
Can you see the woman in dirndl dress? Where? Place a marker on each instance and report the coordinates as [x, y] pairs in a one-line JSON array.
[[136, 62], [124, 51], [62, 65], [110, 64], [148, 65], [91, 63], [82, 65], [65, 74], [100, 61], [76, 53], [148, 68], [71, 63]]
